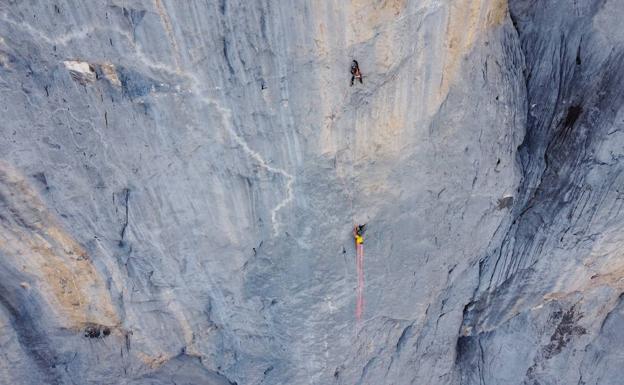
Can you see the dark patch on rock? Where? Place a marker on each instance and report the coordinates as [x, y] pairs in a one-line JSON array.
[[135, 84], [470, 358], [96, 331], [572, 116], [465, 344], [49, 142], [578, 56], [132, 16], [123, 197], [504, 202], [227, 57], [405, 335], [41, 178], [564, 332]]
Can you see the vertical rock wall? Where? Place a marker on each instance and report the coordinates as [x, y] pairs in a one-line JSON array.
[[179, 181], [550, 285]]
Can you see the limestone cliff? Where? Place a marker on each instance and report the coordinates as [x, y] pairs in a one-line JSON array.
[[179, 181]]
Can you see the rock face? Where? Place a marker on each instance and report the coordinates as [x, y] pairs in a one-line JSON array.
[[179, 182]]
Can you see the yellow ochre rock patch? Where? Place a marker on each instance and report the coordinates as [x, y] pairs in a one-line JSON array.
[[466, 21], [32, 241], [369, 15]]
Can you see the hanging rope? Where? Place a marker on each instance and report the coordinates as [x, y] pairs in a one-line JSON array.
[[359, 304], [348, 182]]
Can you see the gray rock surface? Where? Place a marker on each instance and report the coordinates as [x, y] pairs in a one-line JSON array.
[[179, 181]]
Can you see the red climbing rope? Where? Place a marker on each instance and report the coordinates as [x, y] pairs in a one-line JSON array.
[[347, 181], [359, 306]]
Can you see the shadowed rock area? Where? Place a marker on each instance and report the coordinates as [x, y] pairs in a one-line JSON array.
[[179, 181]]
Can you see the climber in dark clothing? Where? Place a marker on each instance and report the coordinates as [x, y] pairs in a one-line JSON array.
[[355, 72]]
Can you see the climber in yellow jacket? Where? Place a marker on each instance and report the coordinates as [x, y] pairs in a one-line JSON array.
[[358, 234]]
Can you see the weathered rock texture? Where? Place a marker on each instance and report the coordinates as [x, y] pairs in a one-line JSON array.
[[179, 180]]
